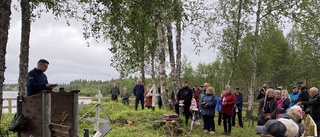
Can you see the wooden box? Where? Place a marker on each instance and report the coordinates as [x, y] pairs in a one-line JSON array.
[[170, 116]]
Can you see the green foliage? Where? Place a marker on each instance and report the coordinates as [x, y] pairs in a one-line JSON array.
[[4, 124]]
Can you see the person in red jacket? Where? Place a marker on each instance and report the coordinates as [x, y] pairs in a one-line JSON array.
[[228, 100]]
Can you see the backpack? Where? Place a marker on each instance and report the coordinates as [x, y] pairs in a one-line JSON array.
[[18, 123]]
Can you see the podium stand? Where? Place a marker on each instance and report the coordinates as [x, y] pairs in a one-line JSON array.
[[51, 114]]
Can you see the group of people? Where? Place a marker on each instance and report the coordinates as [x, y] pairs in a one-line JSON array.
[[204, 101], [146, 97], [281, 114]]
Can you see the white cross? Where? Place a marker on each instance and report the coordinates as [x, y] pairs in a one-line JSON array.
[[99, 96]]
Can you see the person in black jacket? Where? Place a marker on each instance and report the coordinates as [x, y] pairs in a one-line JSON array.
[[138, 91], [262, 92], [114, 91], [314, 105], [37, 80], [268, 107], [184, 97], [304, 95], [238, 108]]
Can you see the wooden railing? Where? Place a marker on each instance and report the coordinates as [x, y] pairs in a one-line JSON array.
[[311, 126], [11, 106]]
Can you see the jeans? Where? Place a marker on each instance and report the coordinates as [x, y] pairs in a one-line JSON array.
[[137, 102]]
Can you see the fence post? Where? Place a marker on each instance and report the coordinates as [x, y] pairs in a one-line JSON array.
[[46, 113], [10, 105]]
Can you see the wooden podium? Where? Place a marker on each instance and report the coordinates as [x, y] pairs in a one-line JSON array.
[[50, 114]]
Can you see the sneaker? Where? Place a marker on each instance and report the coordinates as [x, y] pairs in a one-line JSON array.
[[205, 131], [197, 122], [212, 132]]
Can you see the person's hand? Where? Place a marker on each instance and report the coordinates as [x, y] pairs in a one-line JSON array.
[[204, 104], [299, 103], [223, 103], [51, 85], [181, 101]]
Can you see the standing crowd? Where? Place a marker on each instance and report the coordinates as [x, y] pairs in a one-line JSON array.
[[228, 105]]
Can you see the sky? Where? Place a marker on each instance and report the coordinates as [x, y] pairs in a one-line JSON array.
[[68, 54]]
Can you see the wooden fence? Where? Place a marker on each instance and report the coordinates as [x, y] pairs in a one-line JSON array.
[[11, 106]]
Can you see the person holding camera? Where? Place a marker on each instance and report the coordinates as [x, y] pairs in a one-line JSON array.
[[262, 92]]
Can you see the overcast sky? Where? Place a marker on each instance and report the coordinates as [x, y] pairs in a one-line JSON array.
[[69, 56]]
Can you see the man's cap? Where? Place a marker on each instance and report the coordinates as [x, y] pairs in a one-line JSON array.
[[294, 87], [279, 87], [195, 86], [299, 83], [237, 87], [201, 85], [279, 128], [272, 127], [265, 86]]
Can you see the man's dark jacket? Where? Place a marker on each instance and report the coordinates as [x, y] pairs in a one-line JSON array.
[[185, 94], [36, 81], [138, 91], [314, 105]]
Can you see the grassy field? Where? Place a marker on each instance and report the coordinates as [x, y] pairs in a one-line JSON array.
[[127, 122], [147, 123]]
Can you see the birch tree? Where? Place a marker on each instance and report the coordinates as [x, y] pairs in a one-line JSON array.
[[5, 13]]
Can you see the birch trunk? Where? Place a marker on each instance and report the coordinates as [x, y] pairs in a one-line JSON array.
[[24, 45], [5, 12], [171, 52], [178, 50], [254, 61], [162, 59], [142, 55]]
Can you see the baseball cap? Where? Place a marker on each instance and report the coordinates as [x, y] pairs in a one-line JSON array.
[[265, 85], [299, 83], [281, 127], [201, 85]]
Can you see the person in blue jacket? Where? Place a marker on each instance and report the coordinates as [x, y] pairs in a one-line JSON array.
[[238, 108], [208, 103], [37, 80], [294, 96], [218, 107], [138, 91]]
